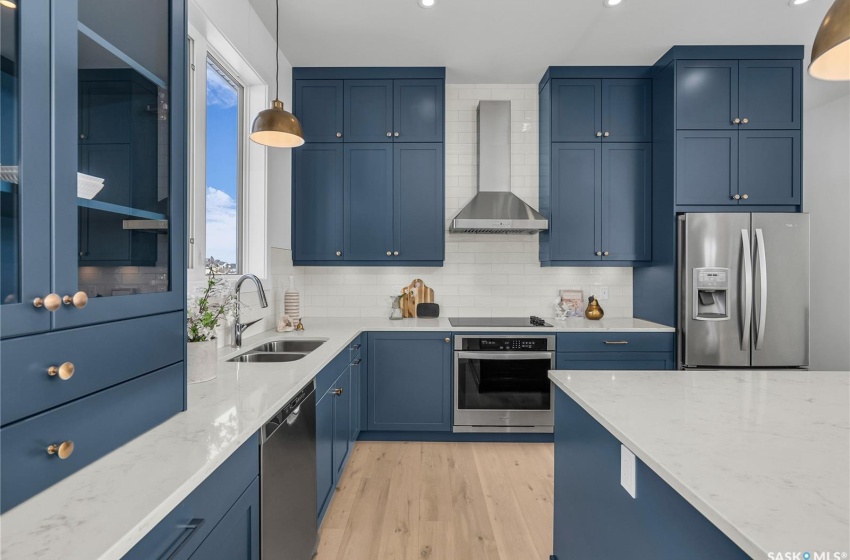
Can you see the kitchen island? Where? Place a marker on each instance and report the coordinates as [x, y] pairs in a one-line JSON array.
[[730, 464]]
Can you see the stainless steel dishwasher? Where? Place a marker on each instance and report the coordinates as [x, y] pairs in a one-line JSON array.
[[288, 481]]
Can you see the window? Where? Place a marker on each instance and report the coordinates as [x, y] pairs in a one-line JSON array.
[[223, 170]]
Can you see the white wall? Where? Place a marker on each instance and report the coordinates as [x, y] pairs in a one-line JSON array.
[[826, 188], [484, 275]]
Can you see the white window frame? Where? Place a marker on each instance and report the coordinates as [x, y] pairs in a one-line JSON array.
[[253, 253]]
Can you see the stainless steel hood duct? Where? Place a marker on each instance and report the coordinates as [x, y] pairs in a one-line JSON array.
[[495, 209]]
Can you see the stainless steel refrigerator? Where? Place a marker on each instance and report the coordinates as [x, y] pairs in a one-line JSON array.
[[743, 290]]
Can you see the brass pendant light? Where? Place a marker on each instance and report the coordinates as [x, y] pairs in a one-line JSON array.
[[275, 127], [831, 50]]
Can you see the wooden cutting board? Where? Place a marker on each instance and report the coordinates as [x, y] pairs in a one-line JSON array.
[[417, 292]]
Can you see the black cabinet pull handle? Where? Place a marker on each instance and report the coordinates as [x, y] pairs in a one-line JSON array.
[[188, 530]]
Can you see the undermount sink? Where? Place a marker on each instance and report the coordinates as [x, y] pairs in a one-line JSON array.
[[306, 346], [267, 357]]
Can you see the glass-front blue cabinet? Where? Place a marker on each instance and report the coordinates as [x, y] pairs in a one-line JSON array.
[[92, 206]]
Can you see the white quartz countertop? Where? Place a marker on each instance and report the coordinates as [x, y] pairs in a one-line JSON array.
[[764, 455], [103, 510]]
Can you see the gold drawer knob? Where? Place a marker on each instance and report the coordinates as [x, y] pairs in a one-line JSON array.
[[64, 372], [80, 299], [62, 450], [447, 339], [51, 302], [337, 392]]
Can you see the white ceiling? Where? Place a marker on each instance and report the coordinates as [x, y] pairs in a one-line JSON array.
[[513, 41]]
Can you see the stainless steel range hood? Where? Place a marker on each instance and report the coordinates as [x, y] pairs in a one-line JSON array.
[[495, 209]]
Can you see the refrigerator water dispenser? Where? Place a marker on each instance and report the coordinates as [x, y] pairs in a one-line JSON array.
[[711, 290]]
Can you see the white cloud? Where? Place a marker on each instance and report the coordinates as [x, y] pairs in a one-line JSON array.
[[221, 225], [219, 91]]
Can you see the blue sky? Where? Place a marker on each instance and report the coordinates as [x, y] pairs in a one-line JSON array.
[[222, 145]]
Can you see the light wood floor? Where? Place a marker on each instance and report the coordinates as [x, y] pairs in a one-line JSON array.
[[442, 501]]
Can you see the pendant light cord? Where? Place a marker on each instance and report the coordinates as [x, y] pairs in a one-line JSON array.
[[277, 50]]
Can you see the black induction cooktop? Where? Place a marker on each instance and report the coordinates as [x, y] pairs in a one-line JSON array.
[[502, 322]]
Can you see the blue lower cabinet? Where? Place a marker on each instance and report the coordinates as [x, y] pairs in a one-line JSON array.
[[341, 395], [237, 535], [37, 452], [614, 361], [615, 351], [596, 518], [324, 453], [356, 395], [409, 382], [219, 519]]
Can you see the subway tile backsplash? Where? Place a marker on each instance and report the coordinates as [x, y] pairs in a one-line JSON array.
[[483, 275]]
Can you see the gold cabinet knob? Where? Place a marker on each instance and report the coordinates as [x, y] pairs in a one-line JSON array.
[[745, 120], [599, 134], [605, 254], [389, 253], [447, 339], [607, 134], [395, 253], [736, 120], [339, 253], [80, 299], [736, 197], [62, 450], [63, 372], [745, 196], [337, 392], [598, 253], [51, 302]]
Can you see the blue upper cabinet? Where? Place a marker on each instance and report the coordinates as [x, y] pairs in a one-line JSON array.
[[24, 140], [626, 202], [419, 202], [407, 393], [319, 108], [576, 215], [368, 111], [706, 167], [626, 110], [389, 185], [368, 202], [596, 166], [769, 167], [769, 94], [317, 205], [418, 110], [706, 94], [576, 110], [738, 117]]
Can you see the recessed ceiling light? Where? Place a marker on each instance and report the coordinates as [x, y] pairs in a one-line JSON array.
[[611, 3], [797, 2], [427, 3]]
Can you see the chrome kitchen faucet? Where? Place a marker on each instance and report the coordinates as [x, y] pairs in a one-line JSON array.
[[239, 328]]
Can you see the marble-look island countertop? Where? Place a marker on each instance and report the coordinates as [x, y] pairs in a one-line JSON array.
[[103, 510], [764, 455]]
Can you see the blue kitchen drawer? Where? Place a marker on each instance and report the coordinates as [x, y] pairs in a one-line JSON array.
[[331, 372], [96, 425], [615, 360], [183, 530], [616, 342], [103, 356]]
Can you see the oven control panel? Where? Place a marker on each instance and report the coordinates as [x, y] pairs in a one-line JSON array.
[[507, 344]]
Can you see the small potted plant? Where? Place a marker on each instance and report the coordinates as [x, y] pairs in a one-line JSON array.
[[205, 311]]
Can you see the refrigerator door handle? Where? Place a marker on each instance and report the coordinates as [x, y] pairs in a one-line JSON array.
[[747, 300], [761, 321]]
